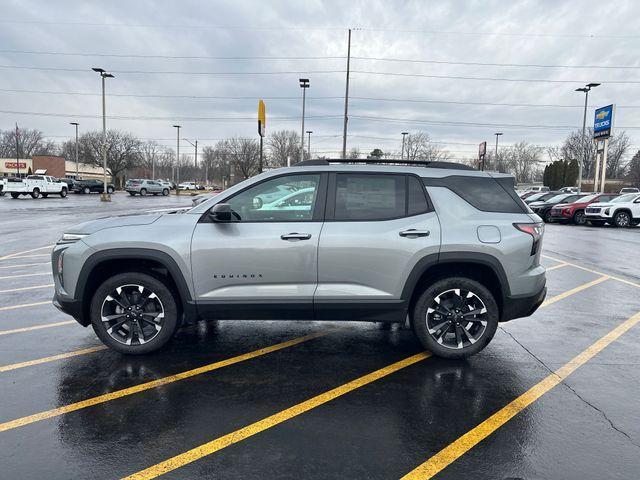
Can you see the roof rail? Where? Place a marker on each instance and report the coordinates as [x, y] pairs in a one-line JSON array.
[[386, 161]]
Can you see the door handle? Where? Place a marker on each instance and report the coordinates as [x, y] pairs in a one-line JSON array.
[[296, 236], [413, 233]]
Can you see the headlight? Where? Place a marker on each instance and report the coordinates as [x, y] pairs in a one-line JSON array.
[[70, 238]]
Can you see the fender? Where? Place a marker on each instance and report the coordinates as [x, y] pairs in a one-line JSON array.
[[138, 254]]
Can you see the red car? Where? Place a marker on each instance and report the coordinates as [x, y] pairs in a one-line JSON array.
[[574, 212]]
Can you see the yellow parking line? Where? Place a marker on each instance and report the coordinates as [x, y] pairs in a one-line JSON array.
[[271, 421], [89, 402], [13, 255], [555, 267], [36, 327], [612, 277], [27, 288], [52, 358], [24, 265], [466, 442], [25, 275], [25, 305], [579, 288]]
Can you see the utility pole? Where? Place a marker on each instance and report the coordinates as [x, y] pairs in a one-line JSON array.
[[177, 127], [104, 197], [309, 132], [304, 84], [17, 151], [404, 134], [497, 134], [196, 156], [586, 89], [76, 125], [346, 100]]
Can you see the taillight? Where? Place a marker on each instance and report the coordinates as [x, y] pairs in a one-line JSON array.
[[536, 230]]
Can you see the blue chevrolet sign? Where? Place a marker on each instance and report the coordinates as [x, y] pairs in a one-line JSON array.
[[603, 122]]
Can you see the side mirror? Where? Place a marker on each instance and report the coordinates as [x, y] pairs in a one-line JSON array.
[[221, 212]]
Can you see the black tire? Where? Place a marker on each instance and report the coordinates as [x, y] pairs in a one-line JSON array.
[[35, 193], [109, 190], [165, 192], [622, 219], [63, 193], [478, 328], [547, 217], [579, 217], [128, 284], [14, 195], [86, 190], [143, 192]]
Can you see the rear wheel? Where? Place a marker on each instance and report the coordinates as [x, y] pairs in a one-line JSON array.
[[134, 313], [35, 193], [579, 218], [455, 317], [165, 192], [14, 195], [143, 192], [622, 219]]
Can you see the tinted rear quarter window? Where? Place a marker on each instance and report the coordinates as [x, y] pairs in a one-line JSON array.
[[369, 197]]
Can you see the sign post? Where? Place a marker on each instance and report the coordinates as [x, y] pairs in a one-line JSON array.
[[602, 128], [482, 151], [262, 128]]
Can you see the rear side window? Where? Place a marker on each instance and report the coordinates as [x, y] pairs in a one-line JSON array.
[[484, 193], [370, 197], [416, 199]]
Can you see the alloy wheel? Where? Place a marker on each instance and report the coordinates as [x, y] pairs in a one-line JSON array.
[[132, 314], [623, 219], [456, 318]]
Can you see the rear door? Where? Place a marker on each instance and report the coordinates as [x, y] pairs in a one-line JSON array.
[[377, 228]]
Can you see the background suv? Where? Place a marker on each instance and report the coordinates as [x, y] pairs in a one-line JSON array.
[[623, 211], [91, 186], [143, 187], [574, 211], [543, 208], [452, 248]]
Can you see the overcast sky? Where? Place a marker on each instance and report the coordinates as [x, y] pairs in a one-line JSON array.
[[57, 42]]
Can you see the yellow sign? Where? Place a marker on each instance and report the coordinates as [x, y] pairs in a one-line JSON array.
[[262, 119]]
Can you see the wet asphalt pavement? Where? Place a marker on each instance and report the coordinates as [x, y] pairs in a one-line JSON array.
[[71, 409]]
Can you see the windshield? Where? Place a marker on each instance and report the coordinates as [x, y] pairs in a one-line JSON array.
[[536, 196], [558, 198], [625, 198], [588, 198]]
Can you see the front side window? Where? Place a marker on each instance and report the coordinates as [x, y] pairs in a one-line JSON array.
[[288, 198], [370, 197]]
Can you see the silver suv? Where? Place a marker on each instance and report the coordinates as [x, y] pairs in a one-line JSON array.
[[452, 249], [143, 187]]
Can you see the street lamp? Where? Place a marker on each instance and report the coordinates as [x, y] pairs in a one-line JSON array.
[[304, 84], [497, 134], [104, 197], [195, 162], [309, 132], [586, 90], [76, 125], [404, 134], [177, 167]]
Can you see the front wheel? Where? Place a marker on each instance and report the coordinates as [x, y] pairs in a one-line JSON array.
[[134, 313], [455, 317], [165, 192], [14, 195], [86, 190], [63, 193], [547, 217], [109, 190], [35, 193], [579, 218], [622, 219], [143, 192]]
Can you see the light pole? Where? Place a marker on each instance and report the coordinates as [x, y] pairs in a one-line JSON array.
[[497, 134], [104, 197], [404, 134], [195, 162], [586, 90], [309, 132], [76, 125], [304, 84], [177, 127]]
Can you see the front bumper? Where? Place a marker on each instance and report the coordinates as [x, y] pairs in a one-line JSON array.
[[518, 307], [70, 307]]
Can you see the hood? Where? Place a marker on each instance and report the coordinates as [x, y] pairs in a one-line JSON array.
[[562, 205], [537, 204], [599, 205], [92, 226]]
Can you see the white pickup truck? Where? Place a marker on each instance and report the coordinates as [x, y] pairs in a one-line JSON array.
[[35, 185]]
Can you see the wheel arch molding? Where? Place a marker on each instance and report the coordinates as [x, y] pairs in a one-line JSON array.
[[148, 261]]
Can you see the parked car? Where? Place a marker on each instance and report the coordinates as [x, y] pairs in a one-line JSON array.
[[525, 195], [91, 186], [574, 212], [168, 184], [629, 190], [623, 211], [543, 208], [134, 277], [36, 186], [272, 194], [568, 190], [143, 187], [540, 197], [537, 188], [188, 186]]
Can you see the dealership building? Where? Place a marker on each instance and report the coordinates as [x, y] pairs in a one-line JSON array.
[[54, 166]]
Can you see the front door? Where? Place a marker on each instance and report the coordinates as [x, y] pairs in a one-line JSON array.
[[264, 263]]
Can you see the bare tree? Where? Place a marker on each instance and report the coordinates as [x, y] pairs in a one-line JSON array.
[[633, 172], [523, 161], [150, 154], [243, 155], [572, 149], [354, 153], [418, 146], [123, 150], [283, 144], [30, 142]]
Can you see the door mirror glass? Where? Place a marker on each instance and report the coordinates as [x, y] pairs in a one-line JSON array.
[[221, 213]]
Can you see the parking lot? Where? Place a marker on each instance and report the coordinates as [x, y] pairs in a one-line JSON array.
[[552, 394]]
